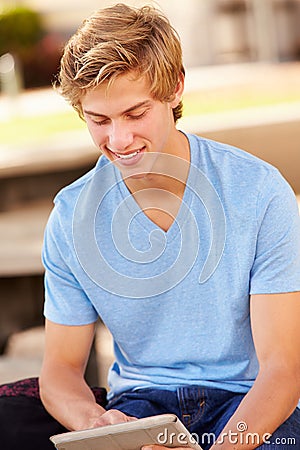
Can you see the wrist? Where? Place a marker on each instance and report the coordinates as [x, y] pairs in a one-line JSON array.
[[88, 419]]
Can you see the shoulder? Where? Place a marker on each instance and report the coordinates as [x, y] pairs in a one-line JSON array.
[[235, 168], [86, 188], [245, 183], [228, 156], [68, 196]]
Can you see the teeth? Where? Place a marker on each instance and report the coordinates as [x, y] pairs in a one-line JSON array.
[[130, 155]]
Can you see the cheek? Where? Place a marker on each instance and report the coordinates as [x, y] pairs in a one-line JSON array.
[[152, 128], [159, 129], [96, 133]]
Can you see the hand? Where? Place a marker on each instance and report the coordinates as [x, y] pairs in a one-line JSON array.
[[111, 417]]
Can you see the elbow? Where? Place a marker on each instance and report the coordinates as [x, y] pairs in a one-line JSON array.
[[44, 385], [43, 388]]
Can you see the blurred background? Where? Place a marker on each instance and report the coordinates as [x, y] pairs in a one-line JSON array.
[[242, 87]]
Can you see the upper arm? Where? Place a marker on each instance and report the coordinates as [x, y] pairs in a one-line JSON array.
[[276, 329], [66, 302], [276, 266], [68, 345]]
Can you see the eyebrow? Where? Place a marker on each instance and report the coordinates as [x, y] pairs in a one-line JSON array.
[[132, 108]]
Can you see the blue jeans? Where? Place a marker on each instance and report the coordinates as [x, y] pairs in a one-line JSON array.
[[205, 412]]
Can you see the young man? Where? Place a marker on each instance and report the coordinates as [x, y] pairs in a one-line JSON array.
[[188, 250]]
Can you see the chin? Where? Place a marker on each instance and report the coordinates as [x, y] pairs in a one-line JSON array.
[[134, 175]]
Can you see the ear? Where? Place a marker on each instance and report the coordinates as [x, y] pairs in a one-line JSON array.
[[178, 91]]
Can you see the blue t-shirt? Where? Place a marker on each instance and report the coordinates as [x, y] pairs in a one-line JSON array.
[[176, 302]]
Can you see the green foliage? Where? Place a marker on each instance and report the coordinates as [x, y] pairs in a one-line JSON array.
[[36, 51], [20, 30]]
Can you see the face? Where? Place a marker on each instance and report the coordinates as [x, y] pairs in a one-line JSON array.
[[129, 126]]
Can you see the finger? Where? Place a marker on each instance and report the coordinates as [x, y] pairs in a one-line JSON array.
[[112, 417]]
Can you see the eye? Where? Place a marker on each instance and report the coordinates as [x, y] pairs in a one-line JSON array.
[[136, 116], [100, 122]]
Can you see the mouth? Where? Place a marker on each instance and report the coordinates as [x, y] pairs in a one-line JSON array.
[[129, 157]]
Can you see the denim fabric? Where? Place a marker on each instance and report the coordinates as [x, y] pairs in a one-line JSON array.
[[204, 412]]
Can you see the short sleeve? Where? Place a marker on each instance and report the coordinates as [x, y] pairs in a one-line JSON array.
[[66, 302], [276, 268]]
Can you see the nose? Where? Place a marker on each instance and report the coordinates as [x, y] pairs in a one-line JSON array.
[[120, 136]]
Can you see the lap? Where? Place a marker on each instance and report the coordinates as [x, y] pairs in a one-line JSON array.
[[24, 420], [204, 412]]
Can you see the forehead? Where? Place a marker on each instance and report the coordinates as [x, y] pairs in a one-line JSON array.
[[118, 95]]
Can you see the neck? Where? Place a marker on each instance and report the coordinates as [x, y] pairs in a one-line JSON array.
[[169, 173]]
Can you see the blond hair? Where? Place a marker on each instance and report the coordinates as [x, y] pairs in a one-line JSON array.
[[117, 40]]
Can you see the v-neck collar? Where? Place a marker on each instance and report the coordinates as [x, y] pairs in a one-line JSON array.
[[143, 219]]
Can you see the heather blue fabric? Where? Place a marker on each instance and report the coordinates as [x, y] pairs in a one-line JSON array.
[[197, 331]]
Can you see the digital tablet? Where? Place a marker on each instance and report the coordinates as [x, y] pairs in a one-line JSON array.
[[164, 429]]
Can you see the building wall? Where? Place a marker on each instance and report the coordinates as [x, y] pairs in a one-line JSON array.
[[211, 31]]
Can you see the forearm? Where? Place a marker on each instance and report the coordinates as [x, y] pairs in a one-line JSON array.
[[272, 399], [67, 397]]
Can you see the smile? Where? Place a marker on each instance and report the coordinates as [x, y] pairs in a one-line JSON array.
[[128, 156]]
